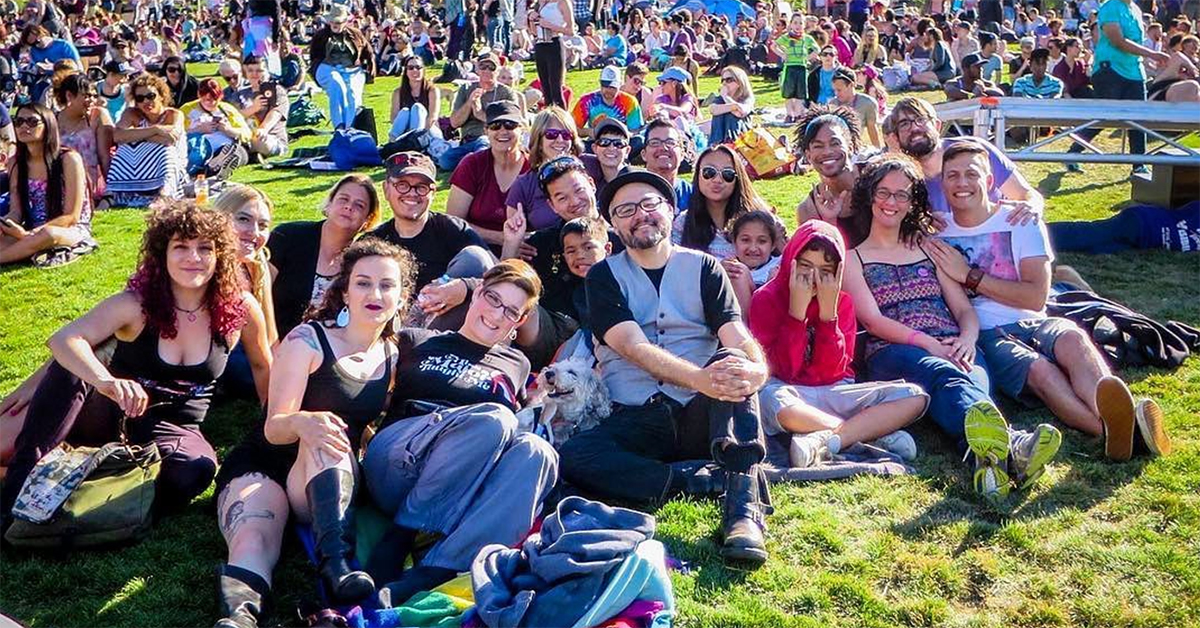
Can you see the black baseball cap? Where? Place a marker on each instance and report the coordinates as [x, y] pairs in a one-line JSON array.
[[628, 177], [504, 110], [611, 125], [973, 59]]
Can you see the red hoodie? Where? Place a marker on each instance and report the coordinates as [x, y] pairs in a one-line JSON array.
[[786, 340]]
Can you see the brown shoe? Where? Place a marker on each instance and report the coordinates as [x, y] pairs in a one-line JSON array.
[[1115, 403], [1150, 425]]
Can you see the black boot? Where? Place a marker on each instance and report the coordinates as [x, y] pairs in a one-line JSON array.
[[331, 502], [241, 597], [699, 478], [744, 510]]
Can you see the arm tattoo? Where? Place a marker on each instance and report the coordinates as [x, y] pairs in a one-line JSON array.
[[237, 515], [304, 333]]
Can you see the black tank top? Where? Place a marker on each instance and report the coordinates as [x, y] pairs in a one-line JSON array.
[[179, 393], [331, 389]]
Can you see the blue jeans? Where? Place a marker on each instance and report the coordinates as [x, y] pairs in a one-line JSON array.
[[408, 119], [344, 86], [449, 159], [951, 391], [499, 34]]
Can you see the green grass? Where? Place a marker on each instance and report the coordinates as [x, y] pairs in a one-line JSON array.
[[1093, 544]]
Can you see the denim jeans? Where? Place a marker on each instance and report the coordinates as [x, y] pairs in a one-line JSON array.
[[951, 390], [499, 34], [449, 159], [344, 86], [408, 119]]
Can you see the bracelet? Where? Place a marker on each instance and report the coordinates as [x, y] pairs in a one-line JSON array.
[[911, 337], [974, 276]]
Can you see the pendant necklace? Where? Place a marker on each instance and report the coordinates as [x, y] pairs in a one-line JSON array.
[[191, 314]]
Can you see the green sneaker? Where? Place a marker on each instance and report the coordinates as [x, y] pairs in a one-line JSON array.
[[1031, 451], [987, 438]]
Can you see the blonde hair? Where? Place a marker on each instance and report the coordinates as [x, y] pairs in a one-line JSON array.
[[742, 80], [541, 122], [234, 197]]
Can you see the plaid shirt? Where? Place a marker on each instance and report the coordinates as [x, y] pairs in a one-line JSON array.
[[583, 13]]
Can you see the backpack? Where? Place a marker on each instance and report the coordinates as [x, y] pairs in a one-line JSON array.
[[351, 148], [417, 140], [303, 112]]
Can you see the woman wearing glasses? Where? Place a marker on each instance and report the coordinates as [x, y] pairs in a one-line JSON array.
[[449, 459], [184, 88], [49, 204], [85, 127], [553, 135], [416, 103], [151, 157], [921, 325], [480, 183], [731, 110]]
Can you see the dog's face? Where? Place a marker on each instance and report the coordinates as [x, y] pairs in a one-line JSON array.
[[575, 398], [566, 383]]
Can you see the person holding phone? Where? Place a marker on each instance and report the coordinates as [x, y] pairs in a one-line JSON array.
[[265, 106]]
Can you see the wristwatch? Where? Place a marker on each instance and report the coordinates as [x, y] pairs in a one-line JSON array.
[[974, 276]]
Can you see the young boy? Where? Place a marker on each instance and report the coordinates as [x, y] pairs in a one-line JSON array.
[[796, 48], [806, 326]]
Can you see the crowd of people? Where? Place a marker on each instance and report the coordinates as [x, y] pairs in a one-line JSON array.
[[392, 347]]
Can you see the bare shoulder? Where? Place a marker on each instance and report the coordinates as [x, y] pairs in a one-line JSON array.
[[302, 337]]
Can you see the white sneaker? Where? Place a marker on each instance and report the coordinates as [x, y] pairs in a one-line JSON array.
[[899, 442], [809, 449]]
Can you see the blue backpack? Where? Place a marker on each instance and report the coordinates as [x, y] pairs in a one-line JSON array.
[[351, 148]]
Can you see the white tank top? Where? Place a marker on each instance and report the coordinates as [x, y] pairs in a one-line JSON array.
[[550, 14]]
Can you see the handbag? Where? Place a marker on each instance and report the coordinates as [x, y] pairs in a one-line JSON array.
[[765, 156], [80, 497]]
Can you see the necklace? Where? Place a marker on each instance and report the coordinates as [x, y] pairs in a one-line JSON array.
[[191, 314]]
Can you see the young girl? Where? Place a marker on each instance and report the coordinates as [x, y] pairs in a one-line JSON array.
[[757, 241]]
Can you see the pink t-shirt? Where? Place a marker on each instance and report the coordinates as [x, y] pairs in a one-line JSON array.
[[476, 176]]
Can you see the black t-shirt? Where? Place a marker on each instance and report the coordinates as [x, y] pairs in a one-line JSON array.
[[445, 369], [608, 308], [294, 247], [441, 239], [562, 291]]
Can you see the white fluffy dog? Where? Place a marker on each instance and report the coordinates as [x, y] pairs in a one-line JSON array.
[[571, 398]]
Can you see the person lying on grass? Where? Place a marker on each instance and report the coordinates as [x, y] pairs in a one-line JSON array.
[[175, 324], [1005, 269], [331, 380], [806, 325], [922, 329]]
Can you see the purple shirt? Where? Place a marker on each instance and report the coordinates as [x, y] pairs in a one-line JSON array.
[[1002, 169], [538, 213]]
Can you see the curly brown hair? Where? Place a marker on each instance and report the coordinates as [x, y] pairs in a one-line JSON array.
[[335, 294], [818, 117], [862, 198], [152, 284], [151, 81]]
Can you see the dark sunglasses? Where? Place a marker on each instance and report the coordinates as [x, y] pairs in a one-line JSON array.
[[145, 97], [709, 172], [31, 122], [507, 125], [173, 69], [490, 67], [828, 54], [605, 142], [728, 79], [414, 67], [558, 134]]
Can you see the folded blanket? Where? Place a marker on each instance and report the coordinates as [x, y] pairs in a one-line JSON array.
[[857, 460]]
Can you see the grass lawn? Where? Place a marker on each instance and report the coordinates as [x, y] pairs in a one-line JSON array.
[[1093, 544]]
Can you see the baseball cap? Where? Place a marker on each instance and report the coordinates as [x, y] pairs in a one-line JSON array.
[[610, 76], [118, 67], [675, 73], [410, 162], [986, 37], [611, 125], [502, 111], [973, 59], [488, 55], [628, 177]]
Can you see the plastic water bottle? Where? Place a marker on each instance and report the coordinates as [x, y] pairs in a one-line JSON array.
[[420, 317], [201, 187], [423, 298]]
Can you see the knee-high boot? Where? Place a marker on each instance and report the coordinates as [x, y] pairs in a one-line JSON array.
[[745, 506], [241, 597], [331, 502]]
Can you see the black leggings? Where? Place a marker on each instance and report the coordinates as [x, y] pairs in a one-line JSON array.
[[548, 56]]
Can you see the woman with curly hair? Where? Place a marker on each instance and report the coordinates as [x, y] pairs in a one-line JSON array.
[[174, 325], [921, 326], [331, 380], [151, 157]]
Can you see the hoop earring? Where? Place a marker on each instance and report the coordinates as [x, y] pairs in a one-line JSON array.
[[343, 317]]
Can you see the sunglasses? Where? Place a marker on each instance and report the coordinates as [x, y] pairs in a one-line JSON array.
[[173, 69], [709, 172], [487, 67], [145, 97], [507, 125], [558, 134], [31, 122], [728, 79], [828, 54], [606, 142], [415, 67]]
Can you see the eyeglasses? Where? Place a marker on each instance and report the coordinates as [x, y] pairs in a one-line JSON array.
[[638, 80], [173, 69], [145, 96], [229, 79], [728, 79], [657, 143], [558, 134], [494, 300], [828, 54], [709, 172], [507, 125], [650, 204], [487, 67], [606, 142], [418, 68], [404, 187], [559, 165], [905, 124], [32, 122], [902, 197]]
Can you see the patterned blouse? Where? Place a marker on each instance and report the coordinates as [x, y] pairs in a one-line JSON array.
[[911, 295]]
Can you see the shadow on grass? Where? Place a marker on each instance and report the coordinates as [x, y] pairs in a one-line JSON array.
[[1052, 184]]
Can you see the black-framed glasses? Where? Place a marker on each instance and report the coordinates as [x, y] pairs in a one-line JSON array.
[[493, 299], [902, 197], [404, 187], [606, 142], [659, 143], [145, 97], [507, 125], [229, 79], [650, 204], [709, 172], [31, 122], [905, 124]]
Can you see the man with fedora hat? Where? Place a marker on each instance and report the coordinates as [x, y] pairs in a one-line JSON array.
[[682, 370], [468, 114]]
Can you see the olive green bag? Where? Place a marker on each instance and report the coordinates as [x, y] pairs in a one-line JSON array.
[[79, 497]]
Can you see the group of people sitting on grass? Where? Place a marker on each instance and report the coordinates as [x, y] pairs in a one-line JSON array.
[[391, 354]]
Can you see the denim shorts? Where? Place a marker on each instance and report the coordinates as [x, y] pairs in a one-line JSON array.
[[843, 399], [1010, 351]]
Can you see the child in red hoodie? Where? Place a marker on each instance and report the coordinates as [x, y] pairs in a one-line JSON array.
[[806, 326]]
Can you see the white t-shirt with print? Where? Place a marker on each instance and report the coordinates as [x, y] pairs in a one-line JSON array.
[[998, 248]]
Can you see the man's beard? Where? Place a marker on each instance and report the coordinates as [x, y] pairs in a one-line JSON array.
[[919, 147], [633, 240]]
